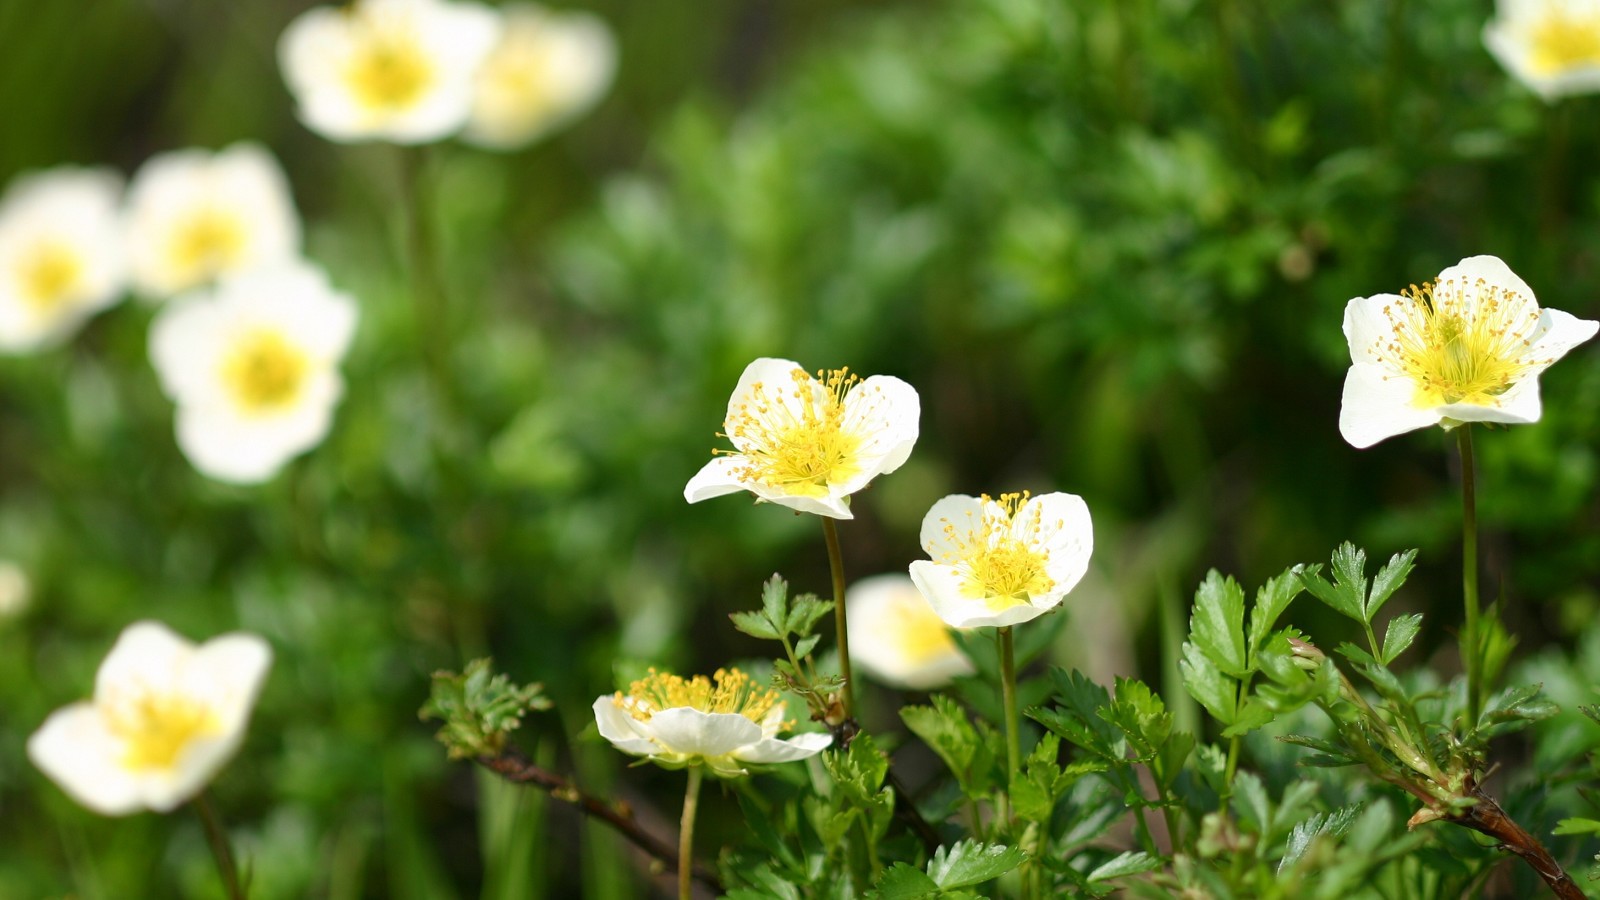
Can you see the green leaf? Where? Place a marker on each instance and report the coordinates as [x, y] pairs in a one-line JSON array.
[[775, 601], [1217, 623], [805, 611], [1271, 600], [1402, 631], [754, 624], [902, 882], [945, 729], [1347, 594], [1254, 714], [1250, 800], [968, 863], [1129, 863], [1388, 580], [1332, 824], [479, 709], [1205, 682], [1577, 826], [1140, 715], [1078, 717], [805, 645]]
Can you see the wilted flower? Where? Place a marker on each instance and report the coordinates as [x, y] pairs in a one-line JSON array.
[[722, 722], [166, 715], [896, 637], [1552, 46], [548, 69], [1001, 562], [392, 70], [60, 254], [809, 442], [14, 589], [1468, 347], [253, 368], [194, 215]]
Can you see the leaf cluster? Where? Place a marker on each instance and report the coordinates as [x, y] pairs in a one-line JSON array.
[[479, 709]]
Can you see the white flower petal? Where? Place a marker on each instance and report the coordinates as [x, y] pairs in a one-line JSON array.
[[775, 377], [1378, 405], [547, 69], [1559, 333], [959, 511], [1366, 327], [147, 653], [74, 749], [689, 731], [897, 638], [942, 586], [248, 450], [886, 412], [621, 729], [1069, 536], [772, 750], [833, 506], [716, 478]]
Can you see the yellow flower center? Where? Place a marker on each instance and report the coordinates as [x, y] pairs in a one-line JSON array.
[[920, 632], [726, 691], [156, 728], [210, 241], [389, 72], [1001, 569], [1460, 343], [50, 275], [1562, 41], [265, 371], [800, 447]]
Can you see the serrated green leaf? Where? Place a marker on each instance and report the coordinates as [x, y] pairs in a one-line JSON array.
[[1402, 631], [1271, 600], [968, 863], [479, 709], [805, 611], [1331, 824], [1140, 715], [943, 726], [1129, 863], [754, 624], [1345, 595], [903, 882], [1388, 580], [1216, 624], [1250, 800], [1206, 684], [775, 600], [804, 646], [1252, 715], [1577, 826], [1355, 654]]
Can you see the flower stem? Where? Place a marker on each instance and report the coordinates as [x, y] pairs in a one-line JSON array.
[[1469, 574], [217, 837], [1008, 693], [691, 800], [836, 566]]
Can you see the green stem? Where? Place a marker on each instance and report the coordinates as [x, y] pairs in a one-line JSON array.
[[1470, 655], [836, 567], [1008, 694], [217, 837], [427, 284], [691, 800]]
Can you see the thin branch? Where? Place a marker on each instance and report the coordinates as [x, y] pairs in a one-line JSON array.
[[514, 766], [1488, 818]]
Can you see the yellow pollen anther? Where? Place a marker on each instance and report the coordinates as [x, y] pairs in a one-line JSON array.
[[1003, 564], [1562, 41], [156, 728], [797, 439], [210, 241], [389, 73], [1460, 343], [726, 691], [265, 372], [49, 276]]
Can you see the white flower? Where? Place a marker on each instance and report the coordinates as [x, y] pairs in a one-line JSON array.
[[807, 442], [1468, 347], [60, 254], [253, 368], [391, 70], [1552, 46], [722, 725], [1002, 562], [194, 215], [165, 717], [548, 69], [14, 590], [897, 638]]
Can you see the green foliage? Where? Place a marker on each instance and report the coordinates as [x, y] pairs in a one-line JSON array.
[[961, 865], [479, 709], [1220, 659]]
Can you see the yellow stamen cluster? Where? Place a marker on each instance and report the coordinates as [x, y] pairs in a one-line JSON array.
[[389, 72], [211, 240], [155, 728], [49, 275], [726, 691], [1562, 41], [265, 371], [802, 446], [1001, 568], [1460, 343]]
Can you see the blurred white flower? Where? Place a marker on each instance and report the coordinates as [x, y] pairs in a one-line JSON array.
[[15, 591], [548, 69], [391, 70], [165, 717], [194, 215], [60, 254], [1468, 347], [1552, 46], [1001, 562], [722, 722], [253, 368], [809, 442], [897, 638]]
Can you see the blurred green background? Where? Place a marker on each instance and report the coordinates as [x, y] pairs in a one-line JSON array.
[[1109, 241]]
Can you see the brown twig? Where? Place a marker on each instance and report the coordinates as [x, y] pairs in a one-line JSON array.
[[514, 766], [1486, 817]]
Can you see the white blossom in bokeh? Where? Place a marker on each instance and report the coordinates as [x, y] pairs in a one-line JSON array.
[[1552, 46], [253, 368], [548, 68], [897, 638], [61, 256]]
